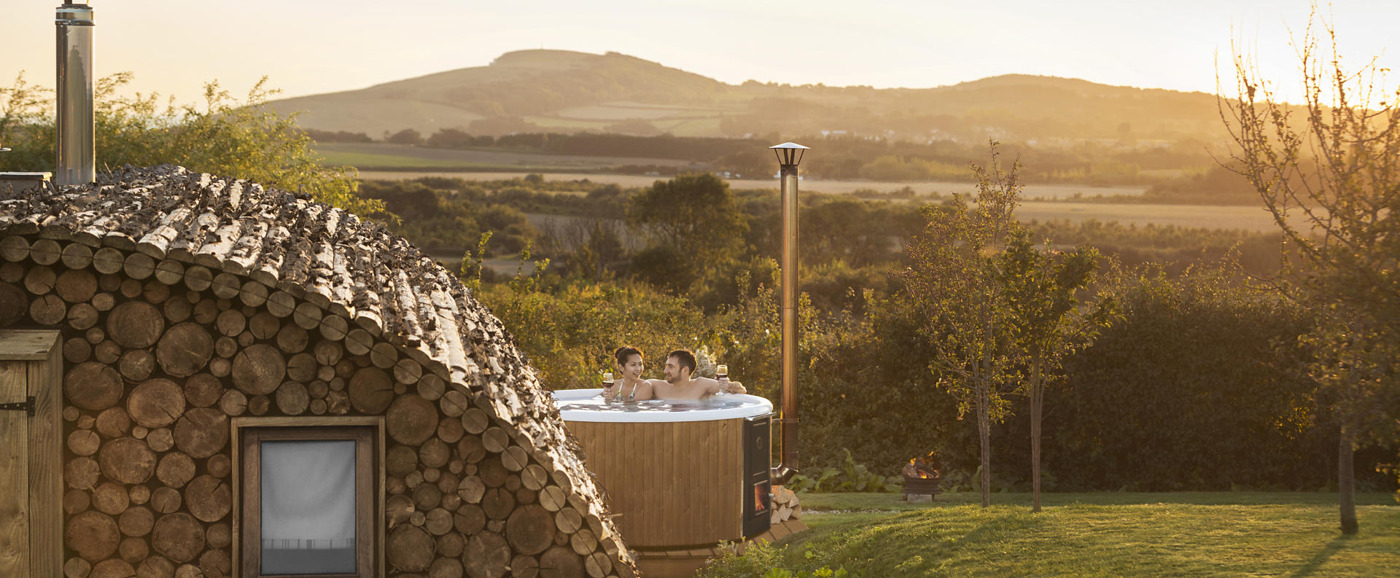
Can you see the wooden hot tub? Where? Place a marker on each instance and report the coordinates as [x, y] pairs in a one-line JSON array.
[[679, 474]]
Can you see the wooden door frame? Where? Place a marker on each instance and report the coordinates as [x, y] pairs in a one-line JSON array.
[[376, 423], [38, 350]]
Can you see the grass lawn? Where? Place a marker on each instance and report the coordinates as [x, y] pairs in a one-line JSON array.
[[875, 535]]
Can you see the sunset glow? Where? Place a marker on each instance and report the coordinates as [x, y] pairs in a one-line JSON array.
[[317, 47]]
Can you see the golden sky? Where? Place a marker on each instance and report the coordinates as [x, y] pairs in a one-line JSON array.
[[316, 46]]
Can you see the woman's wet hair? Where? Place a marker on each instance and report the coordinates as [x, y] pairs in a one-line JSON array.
[[624, 353], [685, 358]]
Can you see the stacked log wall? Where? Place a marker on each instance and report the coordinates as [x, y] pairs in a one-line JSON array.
[[179, 313]]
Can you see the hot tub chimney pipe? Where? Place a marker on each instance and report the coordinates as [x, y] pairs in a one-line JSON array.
[[789, 155], [76, 163]]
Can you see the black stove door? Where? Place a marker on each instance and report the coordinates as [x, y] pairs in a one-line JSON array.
[[757, 461]]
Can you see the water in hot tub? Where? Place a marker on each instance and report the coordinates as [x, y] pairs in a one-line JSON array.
[[597, 403]]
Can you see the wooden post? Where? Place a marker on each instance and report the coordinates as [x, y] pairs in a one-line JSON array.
[[31, 486]]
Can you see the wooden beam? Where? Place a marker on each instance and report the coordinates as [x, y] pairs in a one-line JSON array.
[[46, 461], [14, 474]]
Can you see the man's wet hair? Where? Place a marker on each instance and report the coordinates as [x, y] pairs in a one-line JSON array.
[[685, 358], [626, 352]]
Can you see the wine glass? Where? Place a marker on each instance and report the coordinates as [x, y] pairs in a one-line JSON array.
[[722, 374], [607, 384]]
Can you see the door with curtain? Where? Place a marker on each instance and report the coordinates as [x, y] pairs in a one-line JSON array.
[[307, 499]]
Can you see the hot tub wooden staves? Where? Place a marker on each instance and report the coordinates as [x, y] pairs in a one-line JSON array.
[[675, 484], [189, 308]]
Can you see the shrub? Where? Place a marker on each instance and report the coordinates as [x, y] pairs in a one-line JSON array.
[[851, 477], [759, 560]]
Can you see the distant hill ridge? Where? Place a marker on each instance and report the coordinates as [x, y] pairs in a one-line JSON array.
[[565, 91]]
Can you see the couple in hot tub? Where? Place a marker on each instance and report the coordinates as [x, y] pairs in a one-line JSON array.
[[679, 383]]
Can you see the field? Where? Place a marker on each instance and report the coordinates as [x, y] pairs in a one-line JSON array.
[[1107, 534], [1041, 205], [821, 186], [393, 157]]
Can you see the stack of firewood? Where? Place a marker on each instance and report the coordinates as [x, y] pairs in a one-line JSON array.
[[786, 506], [185, 301]]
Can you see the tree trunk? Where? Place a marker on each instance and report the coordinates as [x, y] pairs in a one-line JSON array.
[[1346, 482], [1037, 401], [984, 435]]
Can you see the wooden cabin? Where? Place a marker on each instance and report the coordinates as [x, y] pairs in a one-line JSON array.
[[201, 376]]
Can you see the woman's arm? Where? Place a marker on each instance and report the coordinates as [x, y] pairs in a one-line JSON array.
[[645, 391]]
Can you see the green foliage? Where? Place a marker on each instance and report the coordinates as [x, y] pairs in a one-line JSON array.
[[1331, 179], [759, 560], [694, 221], [893, 168], [225, 136], [956, 278], [570, 330], [406, 136], [840, 228], [868, 387], [864, 372], [664, 267], [1050, 319], [26, 127], [864, 359], [440, 217], [472, 268], [1219, 185], [1165, 400], [749, 336], [850, 477]]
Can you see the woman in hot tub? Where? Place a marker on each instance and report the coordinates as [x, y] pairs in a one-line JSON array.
[[631, 387]]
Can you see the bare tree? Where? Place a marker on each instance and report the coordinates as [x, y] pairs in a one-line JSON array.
[[1329, 172]]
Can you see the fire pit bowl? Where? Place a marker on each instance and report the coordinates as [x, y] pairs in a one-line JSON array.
[[920, 479], [922, 487]]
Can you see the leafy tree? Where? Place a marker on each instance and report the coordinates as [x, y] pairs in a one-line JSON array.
[[406, 136], [694, 218], [847, 229], [1201, 384], [25, 126], [1051, 322], [224, 136], [570, 329], [956, 278], [603, 249], [1329, 172]]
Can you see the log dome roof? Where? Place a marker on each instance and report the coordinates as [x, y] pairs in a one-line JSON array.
[[365, 285]]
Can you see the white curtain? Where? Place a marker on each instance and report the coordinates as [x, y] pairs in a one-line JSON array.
[[308, 494]]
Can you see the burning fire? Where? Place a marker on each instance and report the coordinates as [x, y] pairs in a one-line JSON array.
[[920, 468]]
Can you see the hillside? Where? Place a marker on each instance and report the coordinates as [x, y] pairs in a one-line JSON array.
[[561, 91]]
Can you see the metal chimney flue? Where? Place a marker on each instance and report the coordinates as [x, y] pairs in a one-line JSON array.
[[77, 158], [789, 156]]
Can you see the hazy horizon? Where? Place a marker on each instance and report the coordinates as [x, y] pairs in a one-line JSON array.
[[173, 48]]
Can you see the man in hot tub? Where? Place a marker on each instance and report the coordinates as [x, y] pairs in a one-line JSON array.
[[680, 384]]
